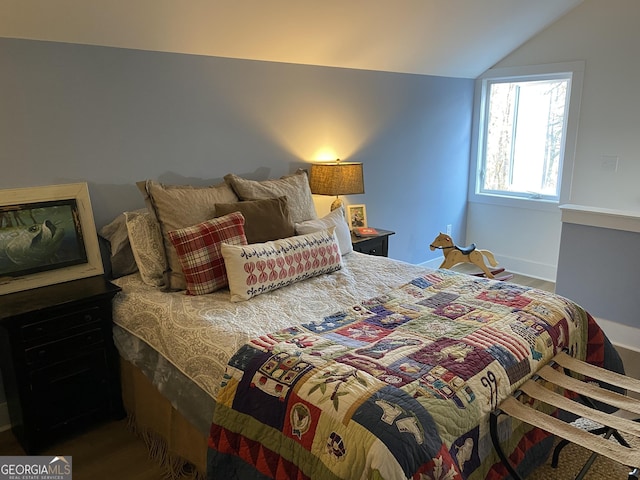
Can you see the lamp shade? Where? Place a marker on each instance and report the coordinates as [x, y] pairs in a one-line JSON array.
[[336, 178]]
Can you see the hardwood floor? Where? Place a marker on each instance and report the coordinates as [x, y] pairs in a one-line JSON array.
[[517, 278], [112, 451], [109, 451]]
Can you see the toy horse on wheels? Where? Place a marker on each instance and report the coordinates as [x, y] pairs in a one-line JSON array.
[[454, 254]]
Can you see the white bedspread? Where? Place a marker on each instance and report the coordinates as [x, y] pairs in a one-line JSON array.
[[199, 334]]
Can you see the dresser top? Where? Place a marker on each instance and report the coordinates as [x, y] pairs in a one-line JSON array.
[[56, 295]]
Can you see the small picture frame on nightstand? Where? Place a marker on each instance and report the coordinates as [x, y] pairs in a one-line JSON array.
[[356, 216]]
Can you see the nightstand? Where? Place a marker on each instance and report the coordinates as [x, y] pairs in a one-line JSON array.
[[59, 363], [373, 244]]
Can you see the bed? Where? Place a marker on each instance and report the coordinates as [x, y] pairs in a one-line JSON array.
[[366, 367]]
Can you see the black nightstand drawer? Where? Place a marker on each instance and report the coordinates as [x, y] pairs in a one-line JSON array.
[[373, 246], [56, 325], [64, 349], [69, 391]]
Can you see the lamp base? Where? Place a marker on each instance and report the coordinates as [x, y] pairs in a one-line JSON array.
[[337, 203]]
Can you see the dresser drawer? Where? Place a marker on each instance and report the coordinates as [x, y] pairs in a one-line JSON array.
[[376, 244], [64, 349], [55, 326], [68, 391], [373, 246]]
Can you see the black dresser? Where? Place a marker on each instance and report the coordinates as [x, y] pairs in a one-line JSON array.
[[58, 360]]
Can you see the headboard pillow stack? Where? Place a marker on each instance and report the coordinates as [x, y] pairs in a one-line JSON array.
[[178, 242]]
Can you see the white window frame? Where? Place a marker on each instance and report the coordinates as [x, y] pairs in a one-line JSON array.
[[576, 71]]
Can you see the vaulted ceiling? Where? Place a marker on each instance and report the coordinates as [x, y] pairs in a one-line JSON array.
[[454, 38]]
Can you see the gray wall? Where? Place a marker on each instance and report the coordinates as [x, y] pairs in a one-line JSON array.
[[112, 116], [599, 268]]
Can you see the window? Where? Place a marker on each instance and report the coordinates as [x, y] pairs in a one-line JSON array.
[[525, 131]]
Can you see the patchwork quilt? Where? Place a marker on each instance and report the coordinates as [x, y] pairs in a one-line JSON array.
[[399, 386]]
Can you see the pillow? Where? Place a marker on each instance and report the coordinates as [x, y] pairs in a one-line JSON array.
[[146, 243], [179, 206], [334, 219], [262, 267], [198, 249], [295, 187], [264, 220], [120, 253]]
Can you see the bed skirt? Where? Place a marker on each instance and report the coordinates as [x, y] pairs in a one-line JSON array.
[[171, 440]]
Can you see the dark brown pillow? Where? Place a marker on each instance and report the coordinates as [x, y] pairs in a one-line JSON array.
[[265, 220]]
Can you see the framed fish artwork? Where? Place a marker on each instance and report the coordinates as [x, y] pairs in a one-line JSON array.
[[47, 236]]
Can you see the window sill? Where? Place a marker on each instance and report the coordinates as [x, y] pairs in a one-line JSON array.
[[626, 221], [515, 202]]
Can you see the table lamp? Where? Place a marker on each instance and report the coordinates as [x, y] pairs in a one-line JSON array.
[[336, 178]]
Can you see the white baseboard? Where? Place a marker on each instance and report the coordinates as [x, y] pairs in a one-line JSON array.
[[624, 338], [433, 263], [528, 268], [621, 335], [631, 362], [5, 423]]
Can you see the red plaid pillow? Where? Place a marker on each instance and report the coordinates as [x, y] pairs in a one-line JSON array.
[[198, 249]]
